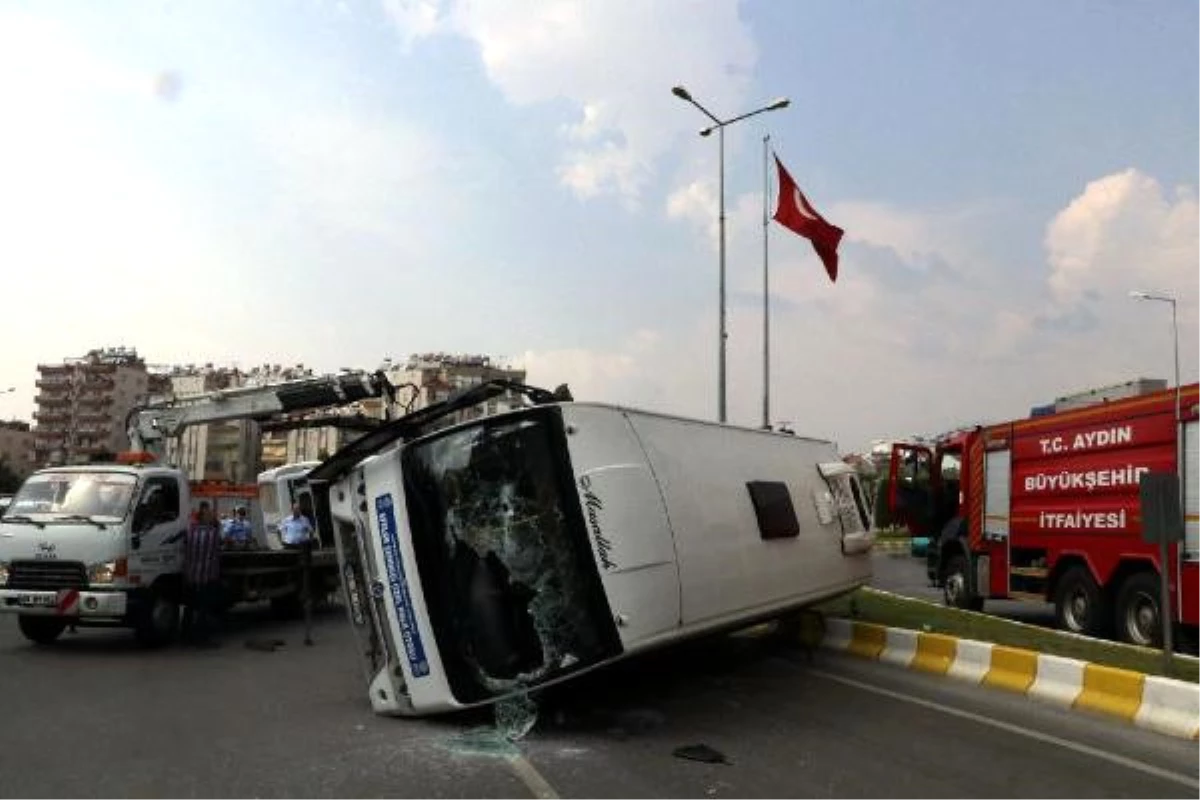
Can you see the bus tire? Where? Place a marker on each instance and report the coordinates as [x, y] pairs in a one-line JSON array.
[[41, 630], [1139, 612], [1079, 605]]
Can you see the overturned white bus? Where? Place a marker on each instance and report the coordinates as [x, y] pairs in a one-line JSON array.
[[499, 555]]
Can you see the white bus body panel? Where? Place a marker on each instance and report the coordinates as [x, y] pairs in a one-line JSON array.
[[697, 473]]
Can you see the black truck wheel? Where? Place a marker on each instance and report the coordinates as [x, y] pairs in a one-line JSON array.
[[1079, 605], [158, 622], [1139, 613], [956, 584], [41, 630]]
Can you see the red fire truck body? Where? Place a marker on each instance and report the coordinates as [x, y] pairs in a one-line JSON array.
[[1048, 508]]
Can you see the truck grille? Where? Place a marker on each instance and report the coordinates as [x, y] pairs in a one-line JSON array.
[[47, 575]]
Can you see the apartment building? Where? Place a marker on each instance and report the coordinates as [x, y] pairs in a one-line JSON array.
[[16, 446], [83, 402], [232, 450], [432, 377]]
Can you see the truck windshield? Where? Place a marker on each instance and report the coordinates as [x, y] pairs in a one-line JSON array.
[[102, 495], [506, 567]]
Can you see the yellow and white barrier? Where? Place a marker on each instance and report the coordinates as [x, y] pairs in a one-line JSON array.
[[1148, 701]]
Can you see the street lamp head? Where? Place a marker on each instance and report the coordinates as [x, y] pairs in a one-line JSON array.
[[681, 93], [707, 131], [1139, 295], [778, 103]]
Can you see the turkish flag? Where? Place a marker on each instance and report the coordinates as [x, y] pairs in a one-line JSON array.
[[795, 213]]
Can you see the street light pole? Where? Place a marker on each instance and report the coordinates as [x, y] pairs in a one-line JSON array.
[[1164, 554], [719, 126]]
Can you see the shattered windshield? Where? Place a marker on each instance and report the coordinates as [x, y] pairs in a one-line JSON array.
[[101, 495], [503, 555]]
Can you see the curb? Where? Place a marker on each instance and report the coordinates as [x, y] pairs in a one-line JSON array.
[[1159, 704]]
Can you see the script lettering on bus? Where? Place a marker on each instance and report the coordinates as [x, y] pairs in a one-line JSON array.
[[593, 504], [1087, 440]]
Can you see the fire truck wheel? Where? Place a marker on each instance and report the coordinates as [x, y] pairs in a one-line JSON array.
[[1138, 618], [1079, 603], [956, 585], [41, 630]]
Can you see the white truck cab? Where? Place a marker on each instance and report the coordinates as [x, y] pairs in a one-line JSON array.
[[96, 544]]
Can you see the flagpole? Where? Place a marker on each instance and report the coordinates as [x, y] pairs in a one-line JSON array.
[[766, 407]]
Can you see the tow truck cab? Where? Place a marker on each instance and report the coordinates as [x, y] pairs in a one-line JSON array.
[[95, 545]]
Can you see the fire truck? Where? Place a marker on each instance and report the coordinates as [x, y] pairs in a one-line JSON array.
[[1047, 508]]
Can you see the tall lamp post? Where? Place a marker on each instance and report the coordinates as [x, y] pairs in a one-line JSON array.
[[719, 126], [1164, 549]]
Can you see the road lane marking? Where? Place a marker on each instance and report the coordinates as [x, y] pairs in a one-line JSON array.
[[533, 779], [1140, 766]]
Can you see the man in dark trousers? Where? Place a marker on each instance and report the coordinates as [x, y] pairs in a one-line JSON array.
[[202, 578]]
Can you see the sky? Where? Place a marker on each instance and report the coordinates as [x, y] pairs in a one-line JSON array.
[[335, 183]]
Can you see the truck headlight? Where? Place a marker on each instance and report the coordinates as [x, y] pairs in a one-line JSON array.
[[104, 572], [3, 573]]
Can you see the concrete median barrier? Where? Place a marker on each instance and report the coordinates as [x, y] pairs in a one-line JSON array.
[[1160, 704]]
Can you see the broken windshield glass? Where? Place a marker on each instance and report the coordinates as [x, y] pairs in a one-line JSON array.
[[504, 557]]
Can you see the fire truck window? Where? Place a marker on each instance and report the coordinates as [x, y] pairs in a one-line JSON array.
[[951, 466]]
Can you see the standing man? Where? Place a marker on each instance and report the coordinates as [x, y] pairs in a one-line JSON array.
[[237, 530], [202, 578], [295, 530]]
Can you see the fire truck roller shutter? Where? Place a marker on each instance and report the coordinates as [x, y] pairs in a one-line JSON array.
[[1191, 502]]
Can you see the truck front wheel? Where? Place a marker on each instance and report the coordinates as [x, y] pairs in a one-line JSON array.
[[1139, 619], [158, 622], [41, 630], [956, 585], [1079, 603]]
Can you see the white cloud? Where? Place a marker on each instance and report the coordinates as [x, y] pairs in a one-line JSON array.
[[1123, 232], [538, 51], [353, 173]]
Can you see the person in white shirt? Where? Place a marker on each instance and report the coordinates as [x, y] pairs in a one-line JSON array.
[[295, 530]]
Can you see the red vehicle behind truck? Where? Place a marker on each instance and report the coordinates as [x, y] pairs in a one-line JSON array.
[[1048, 508]]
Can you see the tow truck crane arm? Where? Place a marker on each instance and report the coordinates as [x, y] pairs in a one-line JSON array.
[[150, 425]]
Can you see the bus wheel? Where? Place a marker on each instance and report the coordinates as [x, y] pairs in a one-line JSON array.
[[41, 630], [1139, 620], [1079, 604]]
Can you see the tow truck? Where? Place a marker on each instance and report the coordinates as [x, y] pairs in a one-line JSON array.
[[102, 544]]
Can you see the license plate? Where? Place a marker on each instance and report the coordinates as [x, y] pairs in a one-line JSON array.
[[37, 600]]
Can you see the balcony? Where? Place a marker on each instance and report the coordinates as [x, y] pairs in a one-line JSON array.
[[85, 416], [56, 399], [53, 382], [93, 430], [94, 399]]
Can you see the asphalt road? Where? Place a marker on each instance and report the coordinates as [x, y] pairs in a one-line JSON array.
[[902, 574], [96, 716]]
